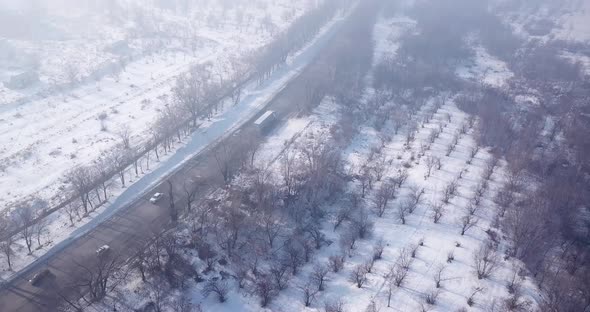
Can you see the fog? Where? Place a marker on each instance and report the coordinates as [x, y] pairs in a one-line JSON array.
[[294, 155]]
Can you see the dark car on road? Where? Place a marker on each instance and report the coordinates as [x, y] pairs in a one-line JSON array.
[[38, 278]]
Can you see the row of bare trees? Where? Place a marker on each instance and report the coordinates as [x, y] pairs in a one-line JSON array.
[[196, 94], [542, 206], [269, 226]]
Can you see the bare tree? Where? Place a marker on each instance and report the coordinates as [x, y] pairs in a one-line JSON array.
[[472, 207], [382, 197], [158, 289], [438, 211], [348, 238], [486, 260], [439, 275], [467, 222], [315, 233], [411, 134], [191, 189], [369, 264], [183, 304], [279, 270], [398, 274], [271, 227], [124, 133], [391, 287], [336, 262], [8, 241], [226, 159], [228, 233], [400, 177], [474, 292], [73, 211], [358, 275], [82, 181], [378, 249], [403, 209], [372, 307], [472, 153], [319, 275], [6, 247], [103, 171], [405, 258], [438, 163], [450, 191], [434, 134], [334, 306], [415, 195], [491, 165], [265, 289], [362, 224], [98, 276], [293, 255], [119, 157], [219, 288], [365, 177], [430, 162], [25, 215], [450, 256], [432, 296], [504, 199], [189, 90], [309, 292], [39, 228]]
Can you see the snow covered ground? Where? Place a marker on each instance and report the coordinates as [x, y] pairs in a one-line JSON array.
[[548, 20], [231, 117], [486, 69], [459, 280], [47, 129], [434, 242]]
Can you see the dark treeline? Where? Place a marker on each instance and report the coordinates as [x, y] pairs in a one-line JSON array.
[[543, 207]]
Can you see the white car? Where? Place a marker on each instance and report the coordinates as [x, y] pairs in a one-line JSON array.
[[156, 198], [103, 250]]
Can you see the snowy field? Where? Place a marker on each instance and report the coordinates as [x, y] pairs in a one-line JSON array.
[[60, 230], [54, 125], [440, 240], [486, 69], [434, 250]]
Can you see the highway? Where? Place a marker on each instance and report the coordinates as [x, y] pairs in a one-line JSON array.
[[128, 223]]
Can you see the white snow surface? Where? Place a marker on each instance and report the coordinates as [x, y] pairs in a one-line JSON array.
[[255, 97], [485, 68], [49, 128]]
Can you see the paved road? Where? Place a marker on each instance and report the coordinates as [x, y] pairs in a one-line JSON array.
[[125, 229]]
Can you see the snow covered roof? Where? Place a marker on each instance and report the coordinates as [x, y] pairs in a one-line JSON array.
[[263, 118]]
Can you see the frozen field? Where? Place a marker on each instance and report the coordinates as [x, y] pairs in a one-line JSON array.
[[59, 230], [56, 124]]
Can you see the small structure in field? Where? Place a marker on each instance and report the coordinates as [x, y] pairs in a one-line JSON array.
[[265, 121]]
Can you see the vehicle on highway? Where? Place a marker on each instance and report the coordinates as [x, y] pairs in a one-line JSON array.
[[103, 250], [156, 197], [39, 277], [265, 121]]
